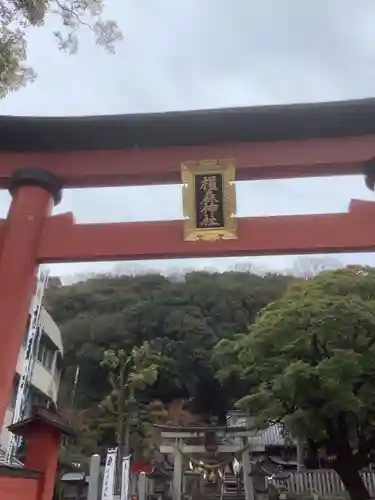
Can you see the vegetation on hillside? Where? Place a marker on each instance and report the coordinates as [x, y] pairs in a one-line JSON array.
[[181, 319]]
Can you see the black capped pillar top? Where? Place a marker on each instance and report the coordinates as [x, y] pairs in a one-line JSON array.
[[39, 414], [369, 173], [32, 176]]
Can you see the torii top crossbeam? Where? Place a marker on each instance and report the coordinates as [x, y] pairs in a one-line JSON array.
[[268, 142]]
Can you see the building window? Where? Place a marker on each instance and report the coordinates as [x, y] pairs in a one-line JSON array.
[[26, 331], [48, 359], [37, 398], [12, 402], [46, 353], [41, 352]]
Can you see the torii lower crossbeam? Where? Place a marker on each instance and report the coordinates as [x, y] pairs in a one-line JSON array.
[[64, 241]]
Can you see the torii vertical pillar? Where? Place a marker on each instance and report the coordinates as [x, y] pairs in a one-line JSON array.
[[177, 472], [33, 193], [246, 469]]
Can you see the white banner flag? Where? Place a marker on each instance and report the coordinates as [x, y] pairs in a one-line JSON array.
[[125, 478], [109, 474]]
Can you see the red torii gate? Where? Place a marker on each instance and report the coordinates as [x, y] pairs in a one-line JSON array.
[[41, 156]]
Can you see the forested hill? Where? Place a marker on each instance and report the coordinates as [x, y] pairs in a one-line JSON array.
[[186, 316]]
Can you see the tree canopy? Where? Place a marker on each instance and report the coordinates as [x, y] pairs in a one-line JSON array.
[[17, 17], [309, 362], [183, 319]]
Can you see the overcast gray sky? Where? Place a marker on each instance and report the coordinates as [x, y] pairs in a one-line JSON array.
[[189, 54]]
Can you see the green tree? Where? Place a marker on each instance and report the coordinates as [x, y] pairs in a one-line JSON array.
[[309, 358], [129, 374], [18, 16]]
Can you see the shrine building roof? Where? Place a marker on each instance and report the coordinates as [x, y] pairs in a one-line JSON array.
[[188, 128]]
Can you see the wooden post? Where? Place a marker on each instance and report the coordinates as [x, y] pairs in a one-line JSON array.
[[33, 191]]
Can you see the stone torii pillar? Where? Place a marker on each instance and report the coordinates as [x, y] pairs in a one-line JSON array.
[[177, 472], [93, 490], [246, 469], [33, 193]]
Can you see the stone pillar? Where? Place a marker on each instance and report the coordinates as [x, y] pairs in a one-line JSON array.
[[33, 192], [183, 485], [93, 491], [177, 473], [246, 469], [300, 454], [142, 486]]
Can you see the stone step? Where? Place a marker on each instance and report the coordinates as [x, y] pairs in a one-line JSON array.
[[232, 488], [224, 497], [231, 495]]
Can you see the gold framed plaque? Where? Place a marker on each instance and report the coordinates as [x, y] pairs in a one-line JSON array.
[[209, 200]]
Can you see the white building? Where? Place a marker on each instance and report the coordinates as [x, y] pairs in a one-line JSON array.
[[46, 376]]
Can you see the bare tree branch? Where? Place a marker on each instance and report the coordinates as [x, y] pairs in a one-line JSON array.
[[17, 16]]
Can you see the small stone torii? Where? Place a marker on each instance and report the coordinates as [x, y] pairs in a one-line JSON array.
[[213, 440]]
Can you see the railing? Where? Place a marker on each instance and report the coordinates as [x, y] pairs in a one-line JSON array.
[[324, 482], [15, 461]]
